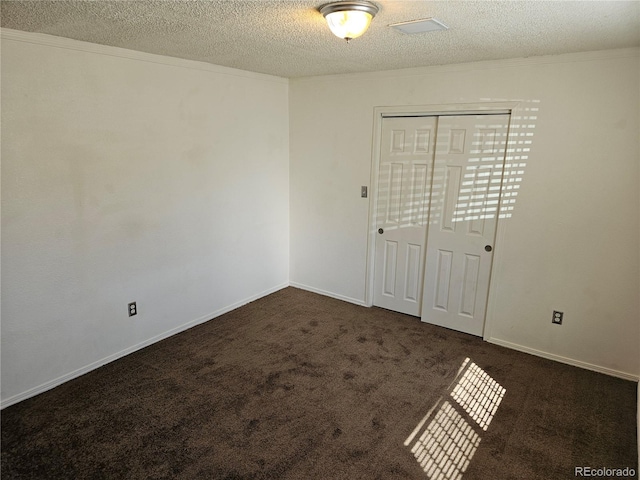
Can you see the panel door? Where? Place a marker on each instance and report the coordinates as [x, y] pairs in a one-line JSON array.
[[467, 179], [404, 178]]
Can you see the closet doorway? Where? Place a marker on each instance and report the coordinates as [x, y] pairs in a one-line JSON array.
[[439, 179]]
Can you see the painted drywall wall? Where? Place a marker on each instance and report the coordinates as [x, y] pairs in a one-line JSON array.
[[130, 177], [571, 240]]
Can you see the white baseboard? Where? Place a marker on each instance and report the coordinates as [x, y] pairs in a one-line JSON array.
[[32, 392], [327, 294], [568, 361], [92, 366]]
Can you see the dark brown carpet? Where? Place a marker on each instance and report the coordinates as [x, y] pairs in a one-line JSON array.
[[300, 386]]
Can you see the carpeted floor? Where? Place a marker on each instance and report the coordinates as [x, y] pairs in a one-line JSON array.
[[301, 386]]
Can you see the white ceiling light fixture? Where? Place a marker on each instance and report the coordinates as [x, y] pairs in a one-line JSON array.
[[349, 19]]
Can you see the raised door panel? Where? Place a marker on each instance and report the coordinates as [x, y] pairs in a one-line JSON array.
[[467, 177], [403, 192]]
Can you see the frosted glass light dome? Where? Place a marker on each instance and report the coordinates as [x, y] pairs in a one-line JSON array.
[[348, 19]]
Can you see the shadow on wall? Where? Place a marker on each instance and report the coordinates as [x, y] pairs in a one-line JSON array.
[[446, 446], [521, 132], [483, 189]]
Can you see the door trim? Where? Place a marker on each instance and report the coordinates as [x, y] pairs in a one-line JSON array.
[[415, 111]]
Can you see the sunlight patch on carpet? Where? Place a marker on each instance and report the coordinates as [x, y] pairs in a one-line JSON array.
[[447, 445], [478, 394]]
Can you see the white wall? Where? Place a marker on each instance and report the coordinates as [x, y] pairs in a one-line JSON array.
[[130, 177], [571, 243]]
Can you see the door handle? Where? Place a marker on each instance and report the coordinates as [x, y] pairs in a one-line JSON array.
[[488, 248], [380, 231]]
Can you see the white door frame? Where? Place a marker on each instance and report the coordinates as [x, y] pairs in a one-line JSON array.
[[427, 110]]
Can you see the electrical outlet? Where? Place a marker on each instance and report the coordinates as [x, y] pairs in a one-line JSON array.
[[557, 317], [133, 309]]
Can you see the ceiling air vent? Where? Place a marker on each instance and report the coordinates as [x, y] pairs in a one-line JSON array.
[[419, 26]]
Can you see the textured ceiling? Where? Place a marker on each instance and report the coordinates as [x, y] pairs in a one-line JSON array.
[[289, 38]]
